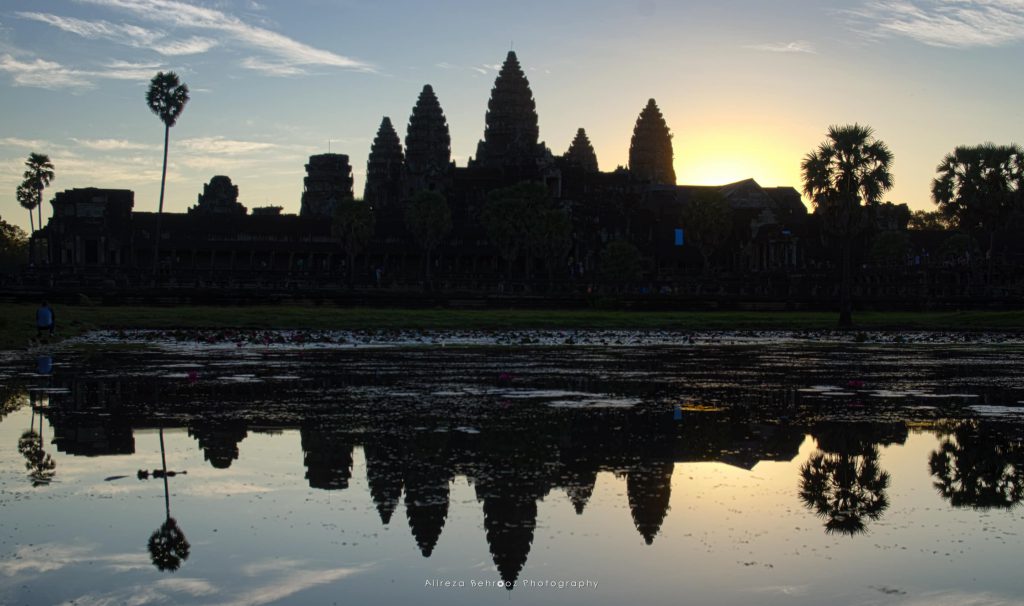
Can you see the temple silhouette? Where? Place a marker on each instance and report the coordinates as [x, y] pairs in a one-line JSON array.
[[770, 249], [424, 419], [516, 454]]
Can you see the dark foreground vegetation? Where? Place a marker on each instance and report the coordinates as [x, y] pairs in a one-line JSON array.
[[17, 320]]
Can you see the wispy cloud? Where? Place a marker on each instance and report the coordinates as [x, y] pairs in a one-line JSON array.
[[483, 69], [944, 23], [48, 557], [288, 56], [40, 73], [22, 143], [130, 35], [962, 599], [220, 145], [797, 46], [272, 68], [115, 145], [278, 583], [290, 582]]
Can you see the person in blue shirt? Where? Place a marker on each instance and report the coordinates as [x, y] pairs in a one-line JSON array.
[[46, 319]]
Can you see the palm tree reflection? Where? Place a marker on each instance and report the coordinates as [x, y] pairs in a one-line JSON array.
[[168, 547], [978, 466], [845, 489], [40, 465]]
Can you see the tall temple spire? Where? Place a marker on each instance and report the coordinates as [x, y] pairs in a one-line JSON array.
[[384, 167], [581, 153], [650, 152], [511, 134], [428, 144], [649, 491]]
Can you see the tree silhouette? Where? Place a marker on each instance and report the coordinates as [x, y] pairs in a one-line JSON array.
[[28, 198], [550, 238], [849, 168], [620, 263], [38, 175], [889, 248], [40, 466], [707, 219], [166, 98], [928, 220], [168, 547], [845, 489], [650, 151], [13, 246], [429, 219], [11, 400], [978, 467], [509, 217], [352, 225], [978, 186]]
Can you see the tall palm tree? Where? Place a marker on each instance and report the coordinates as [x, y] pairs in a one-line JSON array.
[[39, 174], [849, 168], [28, 198], [977, 465], [166, 98], [168, 547], [977, 186], [845, 489]]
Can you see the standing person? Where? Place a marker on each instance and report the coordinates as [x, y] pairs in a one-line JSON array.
[[46, 319]]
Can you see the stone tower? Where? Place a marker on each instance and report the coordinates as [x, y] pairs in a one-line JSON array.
[[428, 145], [581, 153], [511, 135], [650, 152], [219, 197], [328, 181], [384, 168]]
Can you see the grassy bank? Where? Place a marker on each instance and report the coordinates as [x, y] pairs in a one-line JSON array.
[[17, 321]]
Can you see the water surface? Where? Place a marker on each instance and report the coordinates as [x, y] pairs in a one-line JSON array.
[[751, 473]]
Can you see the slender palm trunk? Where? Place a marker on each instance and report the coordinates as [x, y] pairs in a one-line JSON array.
[[31, 221], [160, 208], [163, 459], [39, 208]]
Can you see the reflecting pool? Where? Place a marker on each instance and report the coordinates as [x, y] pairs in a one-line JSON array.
[[598, 473]]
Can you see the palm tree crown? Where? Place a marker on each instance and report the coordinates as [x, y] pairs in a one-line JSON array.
[[28, 197], [167, 97], [976, 185], [849, 164], [38, 175], [39, 171]]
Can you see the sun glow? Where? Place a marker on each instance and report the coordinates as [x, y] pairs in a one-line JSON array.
[[719, 153]]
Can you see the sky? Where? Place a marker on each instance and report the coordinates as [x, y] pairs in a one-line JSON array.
[[747, 87]]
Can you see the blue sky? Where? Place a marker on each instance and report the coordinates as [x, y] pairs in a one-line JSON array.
[[747, 87]]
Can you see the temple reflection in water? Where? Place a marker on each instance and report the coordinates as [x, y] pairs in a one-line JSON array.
[[514, 452]]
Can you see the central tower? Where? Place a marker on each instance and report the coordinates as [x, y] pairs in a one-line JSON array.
[[511, 134]]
